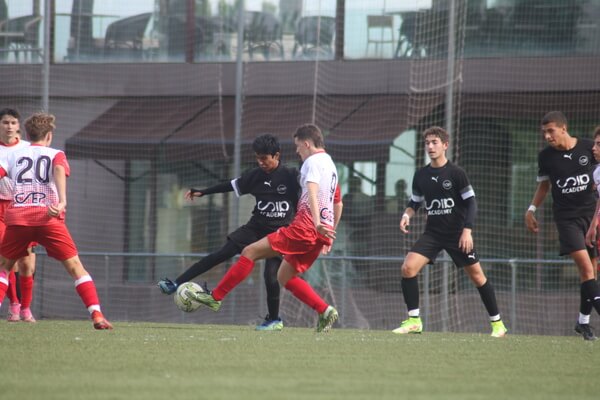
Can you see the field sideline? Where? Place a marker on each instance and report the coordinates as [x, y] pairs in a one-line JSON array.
[[68, 360]]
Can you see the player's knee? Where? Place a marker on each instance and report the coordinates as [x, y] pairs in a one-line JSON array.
[[74, 267], [476, 274], [408, 271], [248, 252]]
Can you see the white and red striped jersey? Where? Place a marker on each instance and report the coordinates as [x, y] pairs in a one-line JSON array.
[[318, 168], [6, 188], [31, 171]]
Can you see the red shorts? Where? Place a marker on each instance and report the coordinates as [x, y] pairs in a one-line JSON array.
[[55, 238], [300, 247], [4, 204]]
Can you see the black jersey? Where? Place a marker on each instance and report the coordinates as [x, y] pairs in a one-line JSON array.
[[276, 194], [571, 176], [443, 192]]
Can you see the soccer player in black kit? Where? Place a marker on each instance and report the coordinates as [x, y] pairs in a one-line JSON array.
[[566, 166], [450, 204], [276, 190]]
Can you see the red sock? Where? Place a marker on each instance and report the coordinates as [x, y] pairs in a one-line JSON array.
[[26, 283], [236, 274], [12, 288], [306, 294], [3, 284], [86, 289]]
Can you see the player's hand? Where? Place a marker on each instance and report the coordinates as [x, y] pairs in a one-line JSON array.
[[531, 222], [326, 249], [55, 210], [590, 236], [404, 223], [326, 231], [465, 243], [190, 194]]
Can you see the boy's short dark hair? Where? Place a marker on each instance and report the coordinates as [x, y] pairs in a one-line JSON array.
[[556, 117], [437, 131], [597, 131], [266, 144], [312, 132], [10, 111]]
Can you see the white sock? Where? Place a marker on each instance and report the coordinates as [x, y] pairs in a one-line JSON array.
[[583, 319]]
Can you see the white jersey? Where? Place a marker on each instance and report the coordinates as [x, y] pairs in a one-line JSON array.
[[6, 187], [318, 168], [32, 174], [596, 177]]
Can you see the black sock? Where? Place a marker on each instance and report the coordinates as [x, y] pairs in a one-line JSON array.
[[209, 262], [585, 306], [592, 292], [410, 291], [488, 296], [272, 285]]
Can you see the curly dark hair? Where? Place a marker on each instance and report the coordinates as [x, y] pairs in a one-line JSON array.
[[437, 131], [10, 111]]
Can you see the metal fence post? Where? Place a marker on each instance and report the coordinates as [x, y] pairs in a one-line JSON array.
[[513, 295], [445, 305]]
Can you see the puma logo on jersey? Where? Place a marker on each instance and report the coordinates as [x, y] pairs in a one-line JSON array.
[[434, 178], [268, 183], [569, 156]]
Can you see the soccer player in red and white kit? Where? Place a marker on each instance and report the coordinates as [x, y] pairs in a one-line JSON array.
[[10, 140], [37, 212], [311, 232]]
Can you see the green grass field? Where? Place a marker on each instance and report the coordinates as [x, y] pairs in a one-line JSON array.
[[69, 360]]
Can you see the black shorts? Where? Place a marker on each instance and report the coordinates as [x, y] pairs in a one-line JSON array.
[[248, 234], [430, 245], [571, 235]]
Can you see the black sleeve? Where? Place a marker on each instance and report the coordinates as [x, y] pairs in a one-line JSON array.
[[413, 204], [471, 212], [223, 187]]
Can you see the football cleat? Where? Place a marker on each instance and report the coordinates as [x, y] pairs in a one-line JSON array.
[[13, 313], [585, 330], [205, 298], [498, 329], [270, 324], [327, 319], [167, 286], [100, 323], [26, 315], [410, 325]]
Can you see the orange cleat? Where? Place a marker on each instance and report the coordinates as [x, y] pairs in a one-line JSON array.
[[100, 323]]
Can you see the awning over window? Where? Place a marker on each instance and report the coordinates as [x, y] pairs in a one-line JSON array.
[[356, 128]]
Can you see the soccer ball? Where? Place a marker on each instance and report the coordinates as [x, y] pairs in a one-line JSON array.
[[182, 301]]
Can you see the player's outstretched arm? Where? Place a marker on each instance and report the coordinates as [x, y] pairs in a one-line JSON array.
[[223, 187], [192, 193]]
